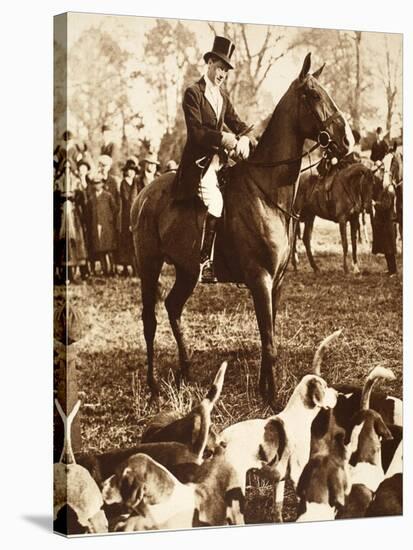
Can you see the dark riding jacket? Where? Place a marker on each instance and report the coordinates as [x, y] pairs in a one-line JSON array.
[[379, 150], [204, 135]]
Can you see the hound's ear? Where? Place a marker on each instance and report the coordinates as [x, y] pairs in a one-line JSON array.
[[381, 429], [337, 483], [274, 439], [315, 393], [317, 73], [306, 67]]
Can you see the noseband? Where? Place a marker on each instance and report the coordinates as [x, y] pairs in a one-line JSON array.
[[324, 139]]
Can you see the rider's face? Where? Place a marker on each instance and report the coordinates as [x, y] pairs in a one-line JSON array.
[[217, 71]]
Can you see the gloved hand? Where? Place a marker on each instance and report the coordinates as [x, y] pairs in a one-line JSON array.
[[229, 141], [243, 147]]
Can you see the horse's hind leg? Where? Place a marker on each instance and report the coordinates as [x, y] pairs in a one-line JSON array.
[[354, 224], [308, 231], [344, 244], [149, 289], [174, 303]]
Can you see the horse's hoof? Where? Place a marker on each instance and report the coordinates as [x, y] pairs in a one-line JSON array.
[[182, 376]]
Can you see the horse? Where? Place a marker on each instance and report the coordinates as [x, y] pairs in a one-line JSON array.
[[254, 239], [349, 196]]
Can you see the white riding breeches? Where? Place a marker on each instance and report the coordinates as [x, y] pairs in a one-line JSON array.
[[209, 191]]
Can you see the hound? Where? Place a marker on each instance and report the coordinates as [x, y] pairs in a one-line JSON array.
[[364, 447], [75, 490], [190, 429], [324, 483], [280, 445], [388, 500], [156, 499], [171, 441]]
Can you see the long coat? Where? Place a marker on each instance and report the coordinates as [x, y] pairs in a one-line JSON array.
[[204, 135], [384, 235], [102, 219], [378, 150], [128, 193]]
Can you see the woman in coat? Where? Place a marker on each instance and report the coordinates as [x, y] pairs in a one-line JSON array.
[[384, 235], [129, 190], [102, 215]]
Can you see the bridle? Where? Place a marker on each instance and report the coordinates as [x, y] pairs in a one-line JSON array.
[[324, 140]]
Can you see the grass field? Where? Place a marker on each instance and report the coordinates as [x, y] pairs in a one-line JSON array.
[[220, 324]]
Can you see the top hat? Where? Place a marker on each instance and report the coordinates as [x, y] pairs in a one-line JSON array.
[[106, 128], [379, 130], [223, 48]]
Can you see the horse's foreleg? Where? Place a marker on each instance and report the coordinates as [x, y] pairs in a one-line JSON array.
[[149, 286], [261, 289], [344, 244], [354, 225], [308, 231], [174, 303], [294, 255]]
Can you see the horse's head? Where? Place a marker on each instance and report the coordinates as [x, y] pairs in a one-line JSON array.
[[319, 117]]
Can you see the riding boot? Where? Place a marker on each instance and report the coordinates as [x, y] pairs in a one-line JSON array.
[[206, 274]]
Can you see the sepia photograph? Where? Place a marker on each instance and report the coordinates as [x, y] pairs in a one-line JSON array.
[[228, 274]]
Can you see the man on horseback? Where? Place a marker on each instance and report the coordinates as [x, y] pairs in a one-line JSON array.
[[207, 108]]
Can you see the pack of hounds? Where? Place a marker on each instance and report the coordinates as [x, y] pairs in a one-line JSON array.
[[340, 447]]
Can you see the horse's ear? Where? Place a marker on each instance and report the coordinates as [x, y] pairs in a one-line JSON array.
[[317, 73], [306, 66]]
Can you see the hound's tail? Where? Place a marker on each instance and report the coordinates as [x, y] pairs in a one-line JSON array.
[[215, 390], [319, 354], [374, 375], [202, 418], [67, 456]]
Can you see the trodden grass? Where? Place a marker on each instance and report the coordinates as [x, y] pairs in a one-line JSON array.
[[219, 323]]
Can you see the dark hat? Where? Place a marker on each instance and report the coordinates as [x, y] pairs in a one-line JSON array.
[[85, 162], [106, 128], [130, 165], [223, 48], [379, 130], [67, 134]]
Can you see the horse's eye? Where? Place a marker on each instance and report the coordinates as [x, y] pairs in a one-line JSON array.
[[315, 95]]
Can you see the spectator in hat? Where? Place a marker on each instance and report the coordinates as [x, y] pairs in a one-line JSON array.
[[149, 167], [207, 108], [66, 150], [102, 212], [71, 237], [171, 166], [379, 148], [82, 196], [129, 190]]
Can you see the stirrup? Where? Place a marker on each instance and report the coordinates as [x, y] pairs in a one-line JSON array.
[[206, 272]]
